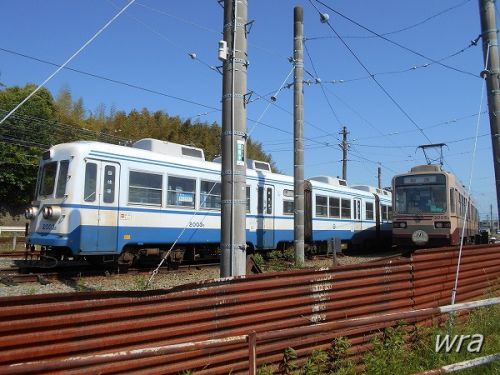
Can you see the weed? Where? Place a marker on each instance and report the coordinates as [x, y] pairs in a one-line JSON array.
[[287, 366], [141, 282]]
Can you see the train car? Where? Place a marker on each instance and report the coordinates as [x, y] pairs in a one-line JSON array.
[[430, 207], [114, 203], [358, 215]]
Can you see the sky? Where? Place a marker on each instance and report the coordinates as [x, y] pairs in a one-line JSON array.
[[387, 90]]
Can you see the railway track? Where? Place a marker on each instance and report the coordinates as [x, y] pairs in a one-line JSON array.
[[15, 275]]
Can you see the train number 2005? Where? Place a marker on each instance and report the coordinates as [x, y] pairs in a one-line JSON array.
[[196, 224]]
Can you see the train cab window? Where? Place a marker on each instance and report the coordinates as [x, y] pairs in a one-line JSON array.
[[62, 178], [334, 207], [321, 205], [181, 192], [346, 208], [369, 210], [109, 184], [48, 179], [89, 191], [145, 188], [210, 194], [248, 198]]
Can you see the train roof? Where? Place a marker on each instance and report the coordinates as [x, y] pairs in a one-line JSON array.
[[170, 152]]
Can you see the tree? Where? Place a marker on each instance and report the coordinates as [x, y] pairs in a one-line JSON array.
[[23, 137]]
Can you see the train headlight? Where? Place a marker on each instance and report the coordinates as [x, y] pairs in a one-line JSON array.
[[51, 212], [442, 224], [399, 224], [30, 213]]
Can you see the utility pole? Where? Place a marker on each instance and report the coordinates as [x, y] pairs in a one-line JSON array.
[[345, 146], [379, 177], [491, 74], [233, 51], [298, 132]]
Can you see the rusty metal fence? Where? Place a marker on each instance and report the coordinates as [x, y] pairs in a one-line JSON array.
[[206, 327]]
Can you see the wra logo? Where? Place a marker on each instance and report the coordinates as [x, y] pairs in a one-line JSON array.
[[447, 343]]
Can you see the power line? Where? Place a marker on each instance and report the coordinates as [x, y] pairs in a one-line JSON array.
[[386, 39], [440, 13], [131, 85], [373, 78], [320, 84], [67, 61]]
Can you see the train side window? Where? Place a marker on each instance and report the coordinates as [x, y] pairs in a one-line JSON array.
[[389, 212], [48, 179], [345, 208], [269, 201], [260, 200], [109, 184], [248, 198], [334, 207], [321, 205], [90, 182], [288, 204], [145, 188], [62, 178], [210, 194], [288, 207], [369, 210], [181, 192], [452, 200]]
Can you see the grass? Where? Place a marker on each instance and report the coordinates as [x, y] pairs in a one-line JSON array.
[[277, 260], [404, 350]]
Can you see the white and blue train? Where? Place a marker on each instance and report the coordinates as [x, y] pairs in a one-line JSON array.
[[106, 202]]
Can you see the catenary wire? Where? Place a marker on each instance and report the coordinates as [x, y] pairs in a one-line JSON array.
[[67, 61]]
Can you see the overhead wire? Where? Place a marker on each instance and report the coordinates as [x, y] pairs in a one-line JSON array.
[[473, 159], [406, 28], [321, 85], [131, 85], [387, 39], [88, 42], [396, 103]]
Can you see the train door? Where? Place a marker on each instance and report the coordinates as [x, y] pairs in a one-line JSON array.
[[101, 190], [265, 220]]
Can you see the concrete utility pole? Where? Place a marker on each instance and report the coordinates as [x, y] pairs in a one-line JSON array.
[[234, 127], [490, 50], [345, 146], [298, 132], [379, 177]]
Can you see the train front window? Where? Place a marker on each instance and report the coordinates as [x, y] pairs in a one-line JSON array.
[[421, 194], [48, 181], [62, 179]]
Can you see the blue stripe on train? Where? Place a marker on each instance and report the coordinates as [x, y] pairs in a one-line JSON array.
[[109, 240]]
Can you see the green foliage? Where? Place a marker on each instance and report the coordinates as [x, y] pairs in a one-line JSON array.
[[287, 365], [317, 364], [141, 283], [44, 121], [402, 352], [388, 355], [258, 259], [338, 358], [279, 260]]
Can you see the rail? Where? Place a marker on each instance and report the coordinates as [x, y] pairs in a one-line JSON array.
[[14, 230], [213, 327]]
